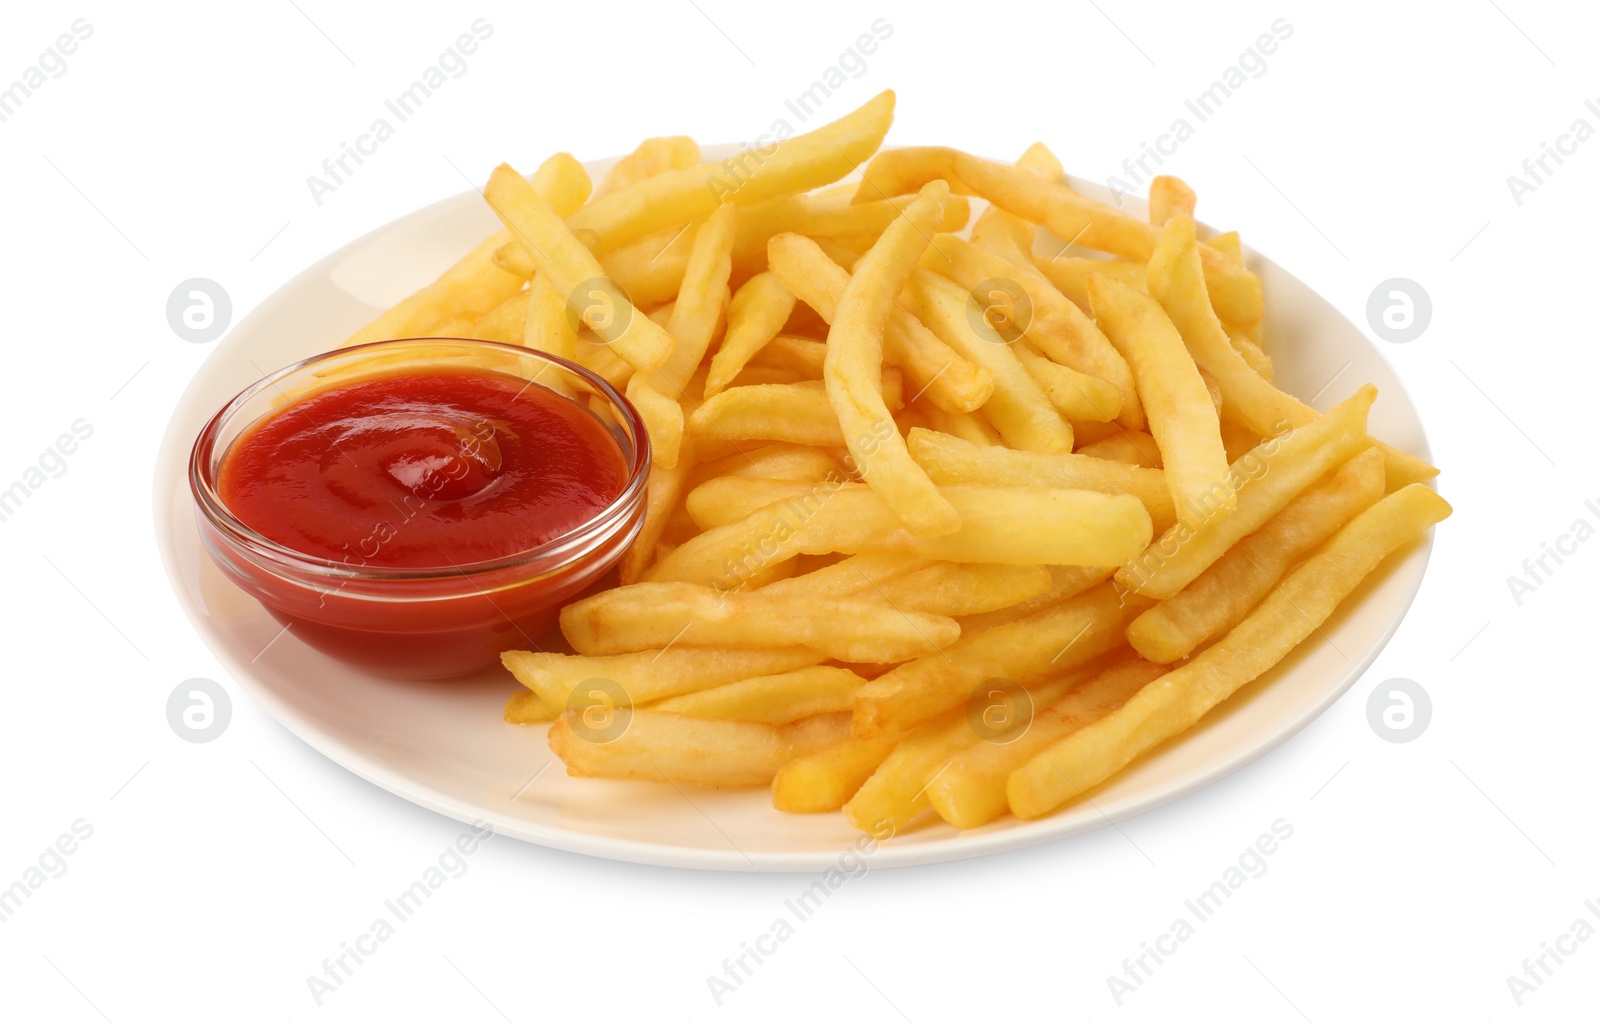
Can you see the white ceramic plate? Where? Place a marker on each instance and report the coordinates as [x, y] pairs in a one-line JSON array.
[[444, 745]]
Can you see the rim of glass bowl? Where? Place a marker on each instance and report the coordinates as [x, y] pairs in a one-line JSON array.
[[561, 549]]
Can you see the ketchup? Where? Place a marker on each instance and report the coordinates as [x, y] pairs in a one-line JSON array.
[[427, 469]]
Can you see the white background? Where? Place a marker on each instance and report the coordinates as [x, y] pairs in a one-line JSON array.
[[1377, 144]]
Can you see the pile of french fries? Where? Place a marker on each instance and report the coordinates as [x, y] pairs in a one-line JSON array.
[[938, 519]]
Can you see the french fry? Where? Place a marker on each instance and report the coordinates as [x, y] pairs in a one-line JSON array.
[[773, 699], [857, 573], [1018, 407], [1054, 324], [524, 707], [546, 325], [1077, 396], [1070, 274], [647, 615], [1068, 214], [563, 258], [896, 793], [999, 525], [952, 460], [1266, 479], [1170, 196], [776, 461], [1226, 243], [650, 675], [663, 492], [952, 382], [1066, 582], [854, 364], [1133, 447], [971, 790], [701, 304], [1285, 618], [1224, 593], [652, 156], [794, 165], [1176, 281], [1182, 417], [1050, 641], [755, 316], [794, 413], [657, 746], [825, 780], [955, 589], [504, 322], [663, 420], [799, 355], [474, 285]]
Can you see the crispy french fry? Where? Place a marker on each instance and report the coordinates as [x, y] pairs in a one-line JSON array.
[[1266, 479], [825, 780], [1226, 243], [755, 316], [504, 322], [765, 172], [647, 615], [524, 707], [702, 303], [1050, 641], [546, 325], [475, 285], [854, 363], [800, 355], [1175, 279], [663, 492], [1070, 274], [573, 271], [793, 413], [657, 746], [773, 699], [1285, 618], [1077, 396], [952, 460], [971, 791], [858, 573], [1066, 582], [663, 420], [999, 525], [954, 383], [1133, 447], [1068, 214], [1018, 407], [896, 793], [1182, 418], [1224, 593], [650, 675], [1054, 324], [1170, 196], [652, 156]]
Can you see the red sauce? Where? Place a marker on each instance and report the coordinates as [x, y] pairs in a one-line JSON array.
[[422, 469]]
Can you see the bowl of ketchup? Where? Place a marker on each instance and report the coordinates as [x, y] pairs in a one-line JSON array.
[[418, 506]]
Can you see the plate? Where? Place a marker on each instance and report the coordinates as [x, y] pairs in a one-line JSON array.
[[444, 745]]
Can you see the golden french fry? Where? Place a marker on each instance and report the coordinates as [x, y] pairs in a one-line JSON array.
[[755, 316], [773, 699], [956, 589], [524, 707], [999, 525], [1224, 593], [1066, 582], [1068, 214], [546, 325], [1070, 274], [949, 380], [663, 420], [657, 746], [763, 172], [1018, 407], [800, 355], [1266, 479], [504, 322], [647, 615], [896, 793], [854, 364], [1077, 396], [475, 285], [1182, 418], [952, 460], [1285, 618], [650, 675], [795, 413], [858, 573], [702, 302], [574, 272], [663, 491], [1175, 280], [1170, 196], [652, 156], [1252, 353], [971, 790], [969, 426], [1001, 275], [825, 780], [1226, 243], [1132, 447], [1051, 641]]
